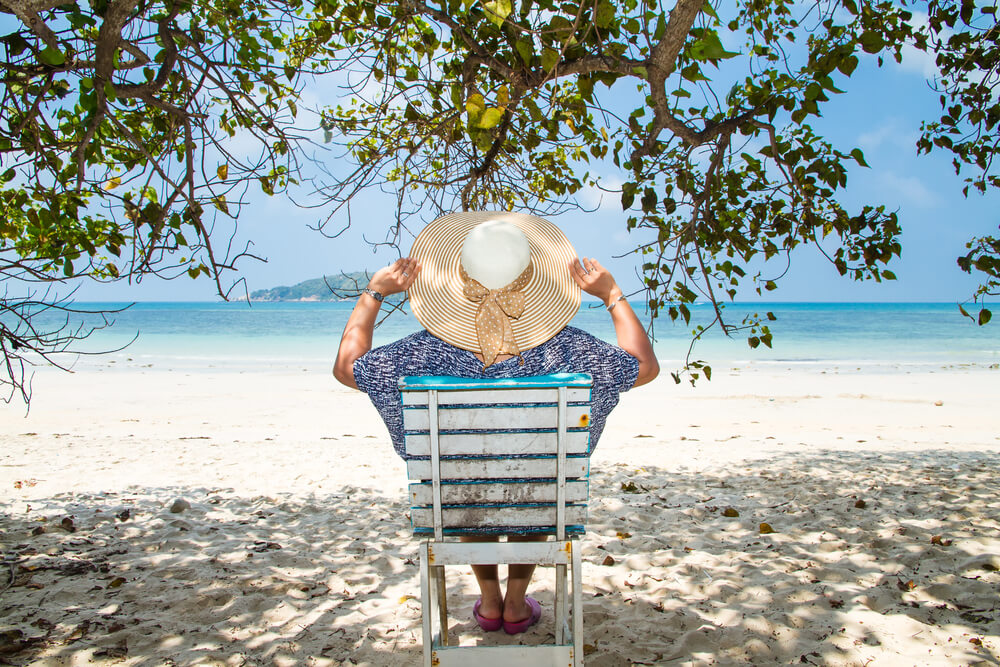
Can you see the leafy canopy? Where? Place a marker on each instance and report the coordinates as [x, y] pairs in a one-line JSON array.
[[130, 133]]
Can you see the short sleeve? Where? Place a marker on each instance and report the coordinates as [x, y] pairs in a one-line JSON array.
[[624, 369], [613, 368], [365, 369]]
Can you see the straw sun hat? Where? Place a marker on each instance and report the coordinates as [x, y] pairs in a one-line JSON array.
[[493, 283]]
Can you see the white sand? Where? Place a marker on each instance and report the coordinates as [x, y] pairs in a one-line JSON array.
[[295, 549]]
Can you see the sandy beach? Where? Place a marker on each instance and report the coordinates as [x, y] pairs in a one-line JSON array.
[[151, 516]]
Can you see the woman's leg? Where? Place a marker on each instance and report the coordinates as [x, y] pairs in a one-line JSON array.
[[489, 583], [518, 577]]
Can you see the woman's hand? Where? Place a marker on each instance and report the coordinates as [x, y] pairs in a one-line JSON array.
[[597, 281], [594, 279], [357, 338], [395, 278]]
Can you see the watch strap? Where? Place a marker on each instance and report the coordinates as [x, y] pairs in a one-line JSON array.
[[373, 294]]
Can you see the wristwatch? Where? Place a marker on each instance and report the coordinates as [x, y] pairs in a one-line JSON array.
[[373, 294]]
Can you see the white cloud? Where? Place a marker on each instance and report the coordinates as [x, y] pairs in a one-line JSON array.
[[891, 134], [920, 62], [909, 190]]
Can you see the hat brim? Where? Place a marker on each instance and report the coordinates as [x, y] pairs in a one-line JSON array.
[[552, 298]]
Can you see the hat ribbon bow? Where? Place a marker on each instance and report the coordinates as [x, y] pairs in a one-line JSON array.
[[496, 307]]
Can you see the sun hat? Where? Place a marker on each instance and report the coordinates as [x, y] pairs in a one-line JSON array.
[[493, 282]]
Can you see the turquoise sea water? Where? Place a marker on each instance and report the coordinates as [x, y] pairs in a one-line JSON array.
[[205, 335]]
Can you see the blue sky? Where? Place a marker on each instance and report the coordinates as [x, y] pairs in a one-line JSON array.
[[881, 112]]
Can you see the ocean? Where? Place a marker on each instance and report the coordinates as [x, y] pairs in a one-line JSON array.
[[197, 336]]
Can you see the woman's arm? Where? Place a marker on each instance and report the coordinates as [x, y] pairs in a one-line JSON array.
[[597, 281], [357, 338]]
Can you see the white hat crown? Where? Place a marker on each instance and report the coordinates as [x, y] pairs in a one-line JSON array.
[[495, 253]]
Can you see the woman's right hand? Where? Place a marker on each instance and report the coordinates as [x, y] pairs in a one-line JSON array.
[[594, 279], [395, 278]]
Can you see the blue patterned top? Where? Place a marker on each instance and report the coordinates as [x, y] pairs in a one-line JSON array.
[[571, 350]]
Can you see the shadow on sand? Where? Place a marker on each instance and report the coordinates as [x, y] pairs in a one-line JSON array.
[[871, 557]]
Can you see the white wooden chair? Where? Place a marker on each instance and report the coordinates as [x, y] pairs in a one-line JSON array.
[[499, 457]]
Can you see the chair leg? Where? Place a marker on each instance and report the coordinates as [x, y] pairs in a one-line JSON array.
[[561, 609], [442, 603], [577, 607], [426, 608]]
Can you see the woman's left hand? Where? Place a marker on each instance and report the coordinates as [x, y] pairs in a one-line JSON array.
[[395, 278], [594, 279]]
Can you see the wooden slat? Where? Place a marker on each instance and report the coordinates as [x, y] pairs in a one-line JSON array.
[[497, 444], [574, 530], [450, 383], [498, 492], [503, 656], [488, 517], [486, 418], [500, 553], [498, 396], [497, 468]]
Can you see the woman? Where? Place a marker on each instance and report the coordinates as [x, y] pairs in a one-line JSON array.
[[495, 292]]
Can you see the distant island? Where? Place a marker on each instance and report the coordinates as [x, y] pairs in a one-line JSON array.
[[339, 287]]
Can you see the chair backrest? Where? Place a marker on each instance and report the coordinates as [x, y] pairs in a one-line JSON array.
[[497, 456]]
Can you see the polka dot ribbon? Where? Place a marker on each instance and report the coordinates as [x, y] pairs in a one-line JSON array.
[[496, 306]]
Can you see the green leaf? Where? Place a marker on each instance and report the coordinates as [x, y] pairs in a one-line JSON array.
[[220, 203], [847, 65], [605, 14], [525, 49], [628, 196], [15, 44], [871, 42], [859, 157], [222, 171], [709, 47], [52, 56], [550, 58], [490, 118], [475, 105], [984, 316], [497, 11]]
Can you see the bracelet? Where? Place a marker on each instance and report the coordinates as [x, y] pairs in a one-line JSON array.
[[611, 306], [373, 294]]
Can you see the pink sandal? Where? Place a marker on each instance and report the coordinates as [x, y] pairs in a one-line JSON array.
[[487, 624], [518, 627]]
